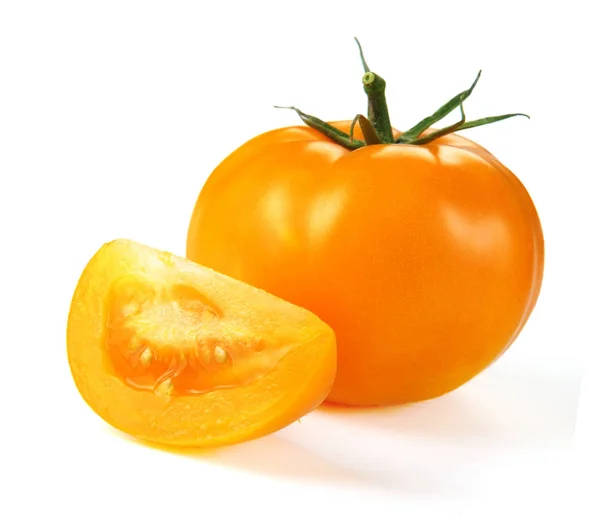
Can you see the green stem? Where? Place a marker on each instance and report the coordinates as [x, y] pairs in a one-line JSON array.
[[378, 113], [444, 131], [374, 87], [362, 56], [489, 120], [411, 135], [338, 136], [367, 128], [377, 128]]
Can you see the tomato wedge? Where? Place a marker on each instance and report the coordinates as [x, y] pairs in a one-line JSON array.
[[172, 352]]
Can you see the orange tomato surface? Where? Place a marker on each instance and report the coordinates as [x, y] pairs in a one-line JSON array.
[[171, 352], [425, 260]]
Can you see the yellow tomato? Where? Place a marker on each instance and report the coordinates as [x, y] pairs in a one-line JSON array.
[[425, 256]]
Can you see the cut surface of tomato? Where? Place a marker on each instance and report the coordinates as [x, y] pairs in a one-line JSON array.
[[169, 351]]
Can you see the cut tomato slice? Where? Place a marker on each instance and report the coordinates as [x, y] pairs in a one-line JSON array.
[[173, 352]]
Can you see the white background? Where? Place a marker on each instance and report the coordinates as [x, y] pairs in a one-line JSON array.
[[113, 113]]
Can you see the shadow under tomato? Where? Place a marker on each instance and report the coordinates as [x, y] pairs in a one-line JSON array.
[[501, 423], [502, 407]]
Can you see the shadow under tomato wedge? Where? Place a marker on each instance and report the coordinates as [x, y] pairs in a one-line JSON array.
[[172, 352]]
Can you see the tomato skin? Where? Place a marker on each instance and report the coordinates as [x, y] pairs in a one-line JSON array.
[[425, 260]]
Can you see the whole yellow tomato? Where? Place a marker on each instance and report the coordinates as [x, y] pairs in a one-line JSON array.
[[421, 250]]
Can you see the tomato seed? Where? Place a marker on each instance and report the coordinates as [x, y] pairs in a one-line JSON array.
[[146, 357], [165, 388], [221, 355]]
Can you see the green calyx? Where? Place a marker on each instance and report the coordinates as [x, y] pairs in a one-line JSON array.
[[377, 128]]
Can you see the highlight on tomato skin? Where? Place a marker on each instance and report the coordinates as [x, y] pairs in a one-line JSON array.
[[172, 352]]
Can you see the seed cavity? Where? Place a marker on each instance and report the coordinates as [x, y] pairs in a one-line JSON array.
[[171, 339], [146, 357], [220, 355]]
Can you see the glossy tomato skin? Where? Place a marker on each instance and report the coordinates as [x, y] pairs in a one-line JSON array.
[[425, 260]]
